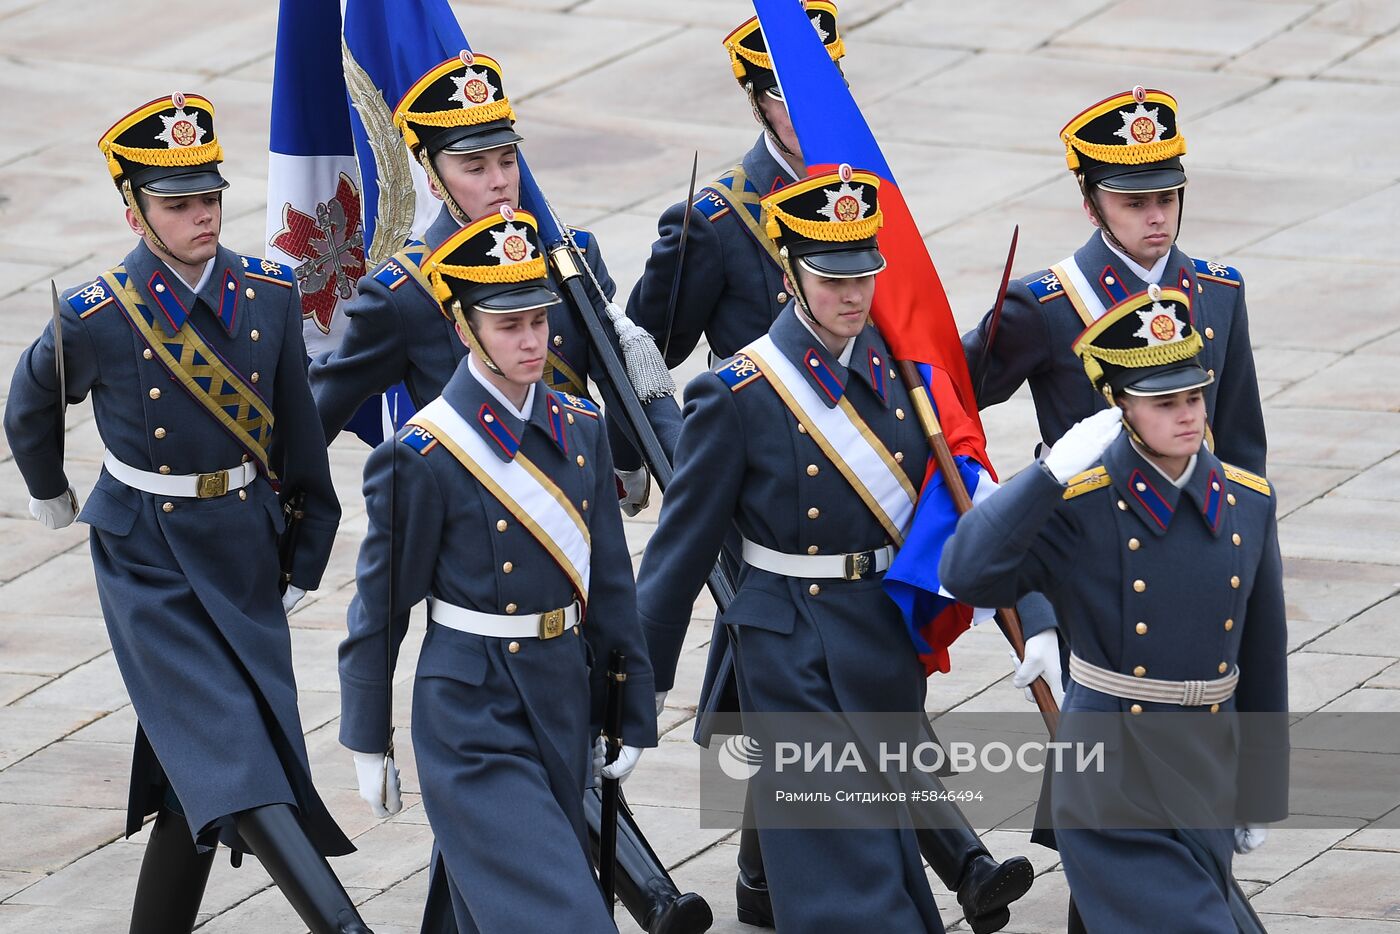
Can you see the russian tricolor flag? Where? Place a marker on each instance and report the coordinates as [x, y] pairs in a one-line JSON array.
[[910, 309]]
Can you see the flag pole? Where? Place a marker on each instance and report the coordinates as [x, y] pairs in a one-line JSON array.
[[1008, 620]]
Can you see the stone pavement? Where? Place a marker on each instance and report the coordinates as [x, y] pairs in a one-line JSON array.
[[1290, 111]]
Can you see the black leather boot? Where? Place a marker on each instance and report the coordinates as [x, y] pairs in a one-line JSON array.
[[753, 904], [172, 880], [275, 835], [644, 886], [988, 887]]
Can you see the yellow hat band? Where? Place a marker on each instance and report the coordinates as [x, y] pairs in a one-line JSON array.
[[474, 116], [1123, 155], [211, 151], [830, 231], [1139, 357], [489, 275]]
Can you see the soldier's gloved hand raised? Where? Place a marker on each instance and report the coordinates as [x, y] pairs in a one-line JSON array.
[[633, 490], [378, 778], [1250, 837], [292, 597], [56, 513], [1042, 661], [621, 767], [1082, 445]]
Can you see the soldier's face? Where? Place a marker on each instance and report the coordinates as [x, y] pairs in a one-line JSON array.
[[778, 118], [480, 182], [1145, 224], [1172, 425], [841, 306], [188, 226], [516, 342]]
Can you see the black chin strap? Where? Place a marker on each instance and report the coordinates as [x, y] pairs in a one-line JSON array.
[[453, 208]]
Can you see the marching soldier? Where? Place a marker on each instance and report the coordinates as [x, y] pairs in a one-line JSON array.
[[1125, 153], [803, 440], [732, 290], [1106, 525], [493, 504], [194, 359], [459, 125]]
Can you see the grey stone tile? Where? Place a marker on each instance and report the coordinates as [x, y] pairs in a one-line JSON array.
[[1338, 884], [24, 732], [997, 25], [1304, 924], [1315, 678], [1379, 61], [1352, 233], [94, 684], [1301, 52], [71, 774], [1374, 632], [12, 882], [1379, 482], [1331, 438], [13, 687], [26, 919], [119, 726], [1286, 849], [1341, 529], [1291, 365], [1296, 485], [1359, 381], [49, 645], [63, 585], [41, 838], [1388, 678], [1229, 27]]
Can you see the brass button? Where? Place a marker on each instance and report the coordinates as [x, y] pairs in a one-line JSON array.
[[507, 567], [511, 607], [1139, 585], [1229, 624], [246, 458], [899, 457], [155, 393], [580, 461], [1211, 373], [813, 512], [254, 376], [1139, 672], [1134, 544], [1235, 582], [165, 468], [875, 360], [250, 293], [159, 287], [488, 418], [242, 494], [1223, 667], [892, 374], [502, 525], [1135, 709], [1210, 334], [812, 470], [168, 507], [1140, 487], [801, 428], [1141, 629], [231, 285], [1109, 280], [159, 432], [1230, 498], [554, 408], [584, 505], [1186, 283], [781, 297], [899, 414], [811, 549], [147, 353], [1215, 485], [513, 648], [814, 589], [1235, 538], [1122, 505], [1215, 708], [569, 417], [559, 340], [254, 334]]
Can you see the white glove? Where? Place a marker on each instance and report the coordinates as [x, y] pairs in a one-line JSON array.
[[660, 702], [291, 598], [1250, 837], [1042, 661], [379, 782], [636, 490], [56, 513], [1082, 445], [621, 767]]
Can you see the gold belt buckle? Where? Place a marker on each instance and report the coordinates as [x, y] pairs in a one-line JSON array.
[[551, 624], [210, 485], [859, 564]]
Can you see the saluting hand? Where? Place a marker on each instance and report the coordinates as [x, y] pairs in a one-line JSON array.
[[1083, 445]]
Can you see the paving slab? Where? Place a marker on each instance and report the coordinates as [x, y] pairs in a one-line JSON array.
[[1373, 632], [1335, 528], [1339, 884]]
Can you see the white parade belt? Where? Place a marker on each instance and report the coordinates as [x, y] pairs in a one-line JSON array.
[[851, 567], [194, 485], [503, 626], [1156, 690]]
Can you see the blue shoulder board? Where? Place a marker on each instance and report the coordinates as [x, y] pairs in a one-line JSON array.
[[391, 272], [710, 203], [1218, 272], [266, 269], [581, 237], [1046, 287], [576, 403], [738, 371], [89, 297], [418, 438]]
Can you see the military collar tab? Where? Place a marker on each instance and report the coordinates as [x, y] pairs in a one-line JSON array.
[[1141, 488]]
